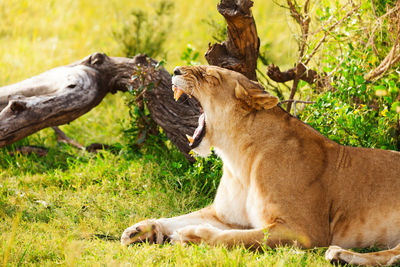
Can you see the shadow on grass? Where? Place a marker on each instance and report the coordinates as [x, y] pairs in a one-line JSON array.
[[105, 237], [58, 157]]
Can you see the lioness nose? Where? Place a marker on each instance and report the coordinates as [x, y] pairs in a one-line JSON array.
[[177, 71]]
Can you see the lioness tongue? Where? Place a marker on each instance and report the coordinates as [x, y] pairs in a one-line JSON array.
[[198, 133]]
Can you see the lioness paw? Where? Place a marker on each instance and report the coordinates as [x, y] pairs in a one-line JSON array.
[[333, 253], [195, 234], [394, 260], [148, 230], [336, 254]]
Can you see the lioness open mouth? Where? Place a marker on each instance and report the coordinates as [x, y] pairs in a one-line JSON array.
[[200, 131]]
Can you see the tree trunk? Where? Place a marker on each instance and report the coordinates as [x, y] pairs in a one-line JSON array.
[[240, 50], [63, 94]]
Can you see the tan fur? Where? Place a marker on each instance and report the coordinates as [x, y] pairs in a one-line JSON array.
[[283, 182]]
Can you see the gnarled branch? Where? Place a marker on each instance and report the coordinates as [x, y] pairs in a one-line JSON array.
[[308, 75], [240, 51]]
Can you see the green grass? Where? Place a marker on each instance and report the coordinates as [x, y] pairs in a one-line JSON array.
[[73, 207], [70, 207]]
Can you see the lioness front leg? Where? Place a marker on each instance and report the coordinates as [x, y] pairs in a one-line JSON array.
[[160, 230], [271, 236], [384, 257]]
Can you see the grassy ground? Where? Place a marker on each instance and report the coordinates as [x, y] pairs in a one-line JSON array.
[[70, 207]]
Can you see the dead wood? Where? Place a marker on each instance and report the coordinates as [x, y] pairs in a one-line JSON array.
[[96, 147], [240, 50], [393, 57], [63, 94], [308, 75], [28, 150], [63, 138]]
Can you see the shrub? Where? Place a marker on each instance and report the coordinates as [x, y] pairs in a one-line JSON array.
[[145, 33], [358, 112]]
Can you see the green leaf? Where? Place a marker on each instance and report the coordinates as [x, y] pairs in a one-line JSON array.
[[396, 107]]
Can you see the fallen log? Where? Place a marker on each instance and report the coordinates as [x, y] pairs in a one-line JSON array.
[[61, 95]]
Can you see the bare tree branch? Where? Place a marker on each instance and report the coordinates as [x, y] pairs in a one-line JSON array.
[[389, 61], [27, 150], [240, 50], [295, 102], [305, 74], [304, 22], [393, 57], [63, 138]]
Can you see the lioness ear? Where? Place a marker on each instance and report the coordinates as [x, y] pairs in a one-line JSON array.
[[240, 92], [255, 97]]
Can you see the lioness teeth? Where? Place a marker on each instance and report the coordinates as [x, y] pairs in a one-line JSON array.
[[191, 139], [177, 93]]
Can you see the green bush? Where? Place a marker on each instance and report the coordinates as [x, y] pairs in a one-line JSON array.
[[357, 112]]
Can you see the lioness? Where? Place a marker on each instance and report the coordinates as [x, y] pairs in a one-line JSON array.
[[283, 182]]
